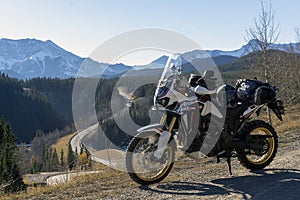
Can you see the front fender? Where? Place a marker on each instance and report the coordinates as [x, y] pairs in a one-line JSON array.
[[149, 130]]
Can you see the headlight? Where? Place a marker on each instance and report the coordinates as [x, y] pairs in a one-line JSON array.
[[164, 101], [162, 96]]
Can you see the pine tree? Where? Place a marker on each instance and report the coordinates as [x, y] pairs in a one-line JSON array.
[[54, 161], [49, 161], [70, 158], [9, 171], [62, 158], [1, 149]]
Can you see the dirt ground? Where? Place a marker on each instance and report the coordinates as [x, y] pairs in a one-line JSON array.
[[191, 179]]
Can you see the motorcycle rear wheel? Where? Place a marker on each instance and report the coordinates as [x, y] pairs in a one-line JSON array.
[[258, 159], [140, 151]]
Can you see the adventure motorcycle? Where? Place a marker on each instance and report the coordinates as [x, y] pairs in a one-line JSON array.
[[201, 121]]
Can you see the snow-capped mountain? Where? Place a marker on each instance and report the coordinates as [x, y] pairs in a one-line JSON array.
[[32, 58], [244, 50], [28, 58]]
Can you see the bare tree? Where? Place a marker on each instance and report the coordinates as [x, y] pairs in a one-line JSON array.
[[294, 70], [264, 32], [297, 31]]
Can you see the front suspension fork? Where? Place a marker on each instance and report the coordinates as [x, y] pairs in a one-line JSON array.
[[164, 138]]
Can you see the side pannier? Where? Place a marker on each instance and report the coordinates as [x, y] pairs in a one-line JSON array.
[[254, 91]]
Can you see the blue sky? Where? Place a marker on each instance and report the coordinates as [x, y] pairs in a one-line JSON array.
[[80, 26]]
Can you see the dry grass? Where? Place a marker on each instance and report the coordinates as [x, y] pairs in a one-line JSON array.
[[62, 143], [103, 181], [290, 123], [291, 120], [103, 185]]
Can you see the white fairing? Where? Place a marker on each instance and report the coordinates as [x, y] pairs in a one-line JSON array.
[[208, 108], [252, 109], [176, 96], [200, 90]]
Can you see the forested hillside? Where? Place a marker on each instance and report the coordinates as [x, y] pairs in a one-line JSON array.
[[26, 109], [58, 93]]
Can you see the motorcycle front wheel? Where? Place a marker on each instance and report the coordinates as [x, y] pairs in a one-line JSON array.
[[141, 164], [260, 134]]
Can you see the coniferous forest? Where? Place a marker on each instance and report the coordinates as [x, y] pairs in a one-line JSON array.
[[27, 109]]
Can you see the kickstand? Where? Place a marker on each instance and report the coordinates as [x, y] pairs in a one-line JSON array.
[[229, 164], [218, 158]]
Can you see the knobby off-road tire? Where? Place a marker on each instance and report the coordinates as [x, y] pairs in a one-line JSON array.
[[259, 127], [142, 178]]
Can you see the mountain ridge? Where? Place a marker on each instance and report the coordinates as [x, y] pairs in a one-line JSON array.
[[243, 51], [30, 58]]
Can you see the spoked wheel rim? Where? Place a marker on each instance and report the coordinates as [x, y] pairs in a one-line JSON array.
[[268, 147], [145, 166]]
